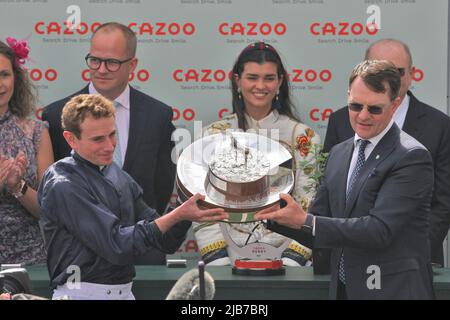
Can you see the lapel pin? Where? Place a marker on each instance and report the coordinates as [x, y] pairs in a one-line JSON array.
[[377, 157]]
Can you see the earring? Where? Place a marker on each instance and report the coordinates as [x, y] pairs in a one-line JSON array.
[[276, 104], [241, 101]]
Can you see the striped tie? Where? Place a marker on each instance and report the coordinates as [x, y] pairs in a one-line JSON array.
[[117, 158], [359, 164]]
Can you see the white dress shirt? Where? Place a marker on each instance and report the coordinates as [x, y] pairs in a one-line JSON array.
[[122, 117], [369, 148], [400, 113]]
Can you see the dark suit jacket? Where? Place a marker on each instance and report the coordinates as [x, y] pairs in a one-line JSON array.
[[148, 157], [431, 128], [384, 223]]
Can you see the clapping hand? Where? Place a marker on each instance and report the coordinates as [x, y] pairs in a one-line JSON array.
[[14, 172], [5, 166]]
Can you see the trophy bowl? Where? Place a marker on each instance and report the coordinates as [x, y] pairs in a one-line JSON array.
[[240, 172]]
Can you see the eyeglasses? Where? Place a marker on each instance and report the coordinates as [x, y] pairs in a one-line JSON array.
[[372, 109], [112, 65]]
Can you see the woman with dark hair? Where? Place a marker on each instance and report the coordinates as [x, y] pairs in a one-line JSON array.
[[262, 104], [25, 153]]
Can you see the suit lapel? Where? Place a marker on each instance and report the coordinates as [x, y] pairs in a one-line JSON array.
[[381, 152], [413, 117], [137, 122], [85, 90], [342, 173]]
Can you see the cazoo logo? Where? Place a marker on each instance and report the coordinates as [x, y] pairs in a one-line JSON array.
[[65, 28], [252, 29], [342, 29], [163, 28], [141, 75]]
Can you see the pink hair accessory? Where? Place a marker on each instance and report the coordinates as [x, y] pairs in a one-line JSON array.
[[20, 48]]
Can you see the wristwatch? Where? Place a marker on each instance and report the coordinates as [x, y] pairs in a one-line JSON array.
[[308, 227], [22, 190]]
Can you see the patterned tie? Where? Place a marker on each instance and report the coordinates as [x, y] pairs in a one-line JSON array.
[[359, 164], [117, 158]]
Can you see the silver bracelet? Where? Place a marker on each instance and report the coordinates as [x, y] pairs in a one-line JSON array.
[[22, 190]]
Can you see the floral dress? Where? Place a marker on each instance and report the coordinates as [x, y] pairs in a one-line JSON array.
[[20, 237], [302, 142]]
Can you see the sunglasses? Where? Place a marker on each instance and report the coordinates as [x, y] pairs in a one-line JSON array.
[[402, 71], [372, 109]]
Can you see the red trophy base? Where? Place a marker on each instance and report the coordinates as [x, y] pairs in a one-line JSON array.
[[249, 267]]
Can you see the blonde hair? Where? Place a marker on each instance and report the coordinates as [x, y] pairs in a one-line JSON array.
[[81, 106]]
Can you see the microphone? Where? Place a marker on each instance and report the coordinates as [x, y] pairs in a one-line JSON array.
[[201, 279], [193, 285]]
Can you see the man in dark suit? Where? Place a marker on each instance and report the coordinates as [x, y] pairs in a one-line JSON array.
[[428, 125], [373, 205], [144, 124]]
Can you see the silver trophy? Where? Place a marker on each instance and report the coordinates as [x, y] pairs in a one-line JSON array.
[[242, 173]]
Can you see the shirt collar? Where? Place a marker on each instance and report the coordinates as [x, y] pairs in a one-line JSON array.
[[123, 98], [402, 110], [403, 107], [374, 141], [79, 158], [271, 118]]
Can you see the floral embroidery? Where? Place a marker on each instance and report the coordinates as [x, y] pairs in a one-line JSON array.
[[307, 170], [304, 142], [304, 202], [219, 127]]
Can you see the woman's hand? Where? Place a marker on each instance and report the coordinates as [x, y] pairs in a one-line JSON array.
[[16, 172], [5, 167]]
